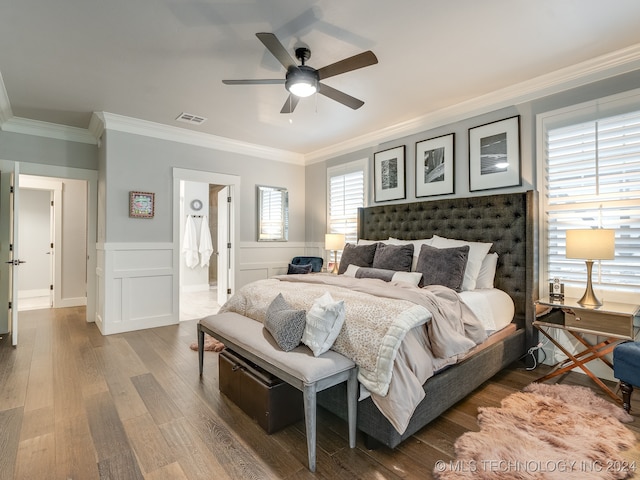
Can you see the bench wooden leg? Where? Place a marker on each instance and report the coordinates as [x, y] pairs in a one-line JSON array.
[[352, 405], [309, 395], [200, 348]]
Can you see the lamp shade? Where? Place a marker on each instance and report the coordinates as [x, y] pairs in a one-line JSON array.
[[591, 244], [334, 241]]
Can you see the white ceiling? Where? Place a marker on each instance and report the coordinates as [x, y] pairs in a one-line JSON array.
[[152, 60]]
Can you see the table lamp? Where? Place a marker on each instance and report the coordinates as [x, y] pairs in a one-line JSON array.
[[334, 242], [589, 245]]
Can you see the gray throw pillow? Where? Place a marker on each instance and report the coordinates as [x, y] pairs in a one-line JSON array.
[[443, 266], [299, 269], [380, 274], [285, 324], [393, 257], [359, 255]]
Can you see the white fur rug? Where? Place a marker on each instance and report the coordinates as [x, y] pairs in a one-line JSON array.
[[545, 432]]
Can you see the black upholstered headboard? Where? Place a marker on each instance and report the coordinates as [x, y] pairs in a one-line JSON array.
[[509, 221]]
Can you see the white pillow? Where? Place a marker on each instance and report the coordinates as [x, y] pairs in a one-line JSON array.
[[370, 242], [351, 270], [477, 252], [324, 321], [416, 247], [412, 278], [487, 271]]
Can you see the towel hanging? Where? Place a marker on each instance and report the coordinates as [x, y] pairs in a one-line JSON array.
[[189, 243], [206, 247]]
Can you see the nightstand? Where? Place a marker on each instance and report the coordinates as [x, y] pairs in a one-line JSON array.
[[612, 321]]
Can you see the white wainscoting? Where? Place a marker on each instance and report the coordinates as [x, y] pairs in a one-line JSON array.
[[260, 260], [137, 285]]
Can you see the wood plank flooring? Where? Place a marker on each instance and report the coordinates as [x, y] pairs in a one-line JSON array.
[[78, 405]]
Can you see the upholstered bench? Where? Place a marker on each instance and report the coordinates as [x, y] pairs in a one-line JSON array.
[[297, 367], [626, 368]]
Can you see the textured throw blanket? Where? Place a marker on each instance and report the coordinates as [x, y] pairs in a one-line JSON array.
[[378, 317]]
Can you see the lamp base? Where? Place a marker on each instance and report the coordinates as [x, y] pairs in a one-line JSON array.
[[334, 270], [589, 298]]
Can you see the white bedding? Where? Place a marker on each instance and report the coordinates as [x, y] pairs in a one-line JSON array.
[[493, 307]]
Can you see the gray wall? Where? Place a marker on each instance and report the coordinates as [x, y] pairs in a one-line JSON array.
[[316, 190], [19, 147], [139, 163]]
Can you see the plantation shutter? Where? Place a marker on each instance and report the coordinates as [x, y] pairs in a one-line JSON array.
[[592, 179], [346, 185]]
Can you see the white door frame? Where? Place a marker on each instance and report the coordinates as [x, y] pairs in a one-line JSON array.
[[233, 181], [9, 218], [91, 177], [223, 252]]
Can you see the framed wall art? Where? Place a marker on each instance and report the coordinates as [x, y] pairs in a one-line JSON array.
[[494, 155], [388, 173], [435, 166], [141, 204]]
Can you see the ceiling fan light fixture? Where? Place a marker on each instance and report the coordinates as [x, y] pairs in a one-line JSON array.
[[302, 81], [302, 89]]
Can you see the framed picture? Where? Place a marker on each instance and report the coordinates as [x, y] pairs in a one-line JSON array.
[[388, 173], [494, 155], [141, 204], [434, 166]]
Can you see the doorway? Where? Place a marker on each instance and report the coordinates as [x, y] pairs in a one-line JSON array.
[[206, 208], [201, 233], [40, 235], [37, 230], [52, 240], [78, 288]]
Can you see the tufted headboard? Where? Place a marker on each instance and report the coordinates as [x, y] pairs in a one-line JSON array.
[[509, 221]]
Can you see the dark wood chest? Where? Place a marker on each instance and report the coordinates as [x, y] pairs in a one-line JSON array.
[[271, 402]]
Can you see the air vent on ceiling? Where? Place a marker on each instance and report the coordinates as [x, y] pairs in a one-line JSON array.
[[190, 118]]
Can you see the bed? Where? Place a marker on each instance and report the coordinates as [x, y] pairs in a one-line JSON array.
[[506, 221], [509, 221]]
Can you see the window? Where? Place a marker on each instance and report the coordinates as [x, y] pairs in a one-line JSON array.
[[273, 214], [346, 193], [591, 179]]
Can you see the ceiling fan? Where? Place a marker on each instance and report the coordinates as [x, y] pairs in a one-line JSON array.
[[303, 80]]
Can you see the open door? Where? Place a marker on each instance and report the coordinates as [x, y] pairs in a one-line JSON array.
[[9, 259], [224, 243]]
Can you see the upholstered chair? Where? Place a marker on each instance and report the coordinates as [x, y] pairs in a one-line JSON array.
[[626, 368], [316, 262]]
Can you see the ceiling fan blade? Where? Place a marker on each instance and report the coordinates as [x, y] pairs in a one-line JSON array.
[[276, 48], [264, 81], [290, 105], [341, 97], [361, 60]]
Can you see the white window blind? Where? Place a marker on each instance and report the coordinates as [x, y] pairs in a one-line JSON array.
[[346, 193], [592, 180]]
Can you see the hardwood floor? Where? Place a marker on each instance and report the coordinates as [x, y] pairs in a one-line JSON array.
[[78, 405]]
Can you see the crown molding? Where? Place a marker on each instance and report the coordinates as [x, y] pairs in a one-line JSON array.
[[111, 121], [48, 130], [5, 106], [598, 68]]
